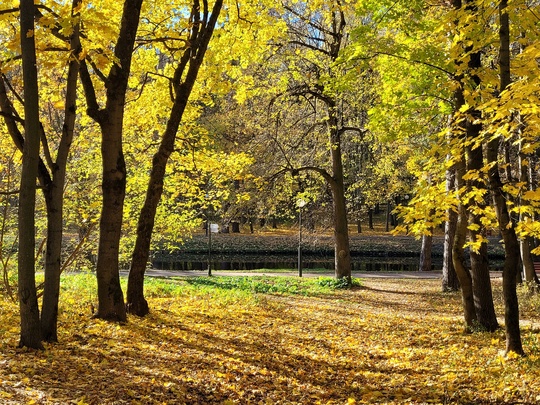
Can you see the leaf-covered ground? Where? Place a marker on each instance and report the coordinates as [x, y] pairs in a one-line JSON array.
[[252, 340]]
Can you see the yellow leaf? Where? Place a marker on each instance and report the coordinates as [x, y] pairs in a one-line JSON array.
[[29, 33]]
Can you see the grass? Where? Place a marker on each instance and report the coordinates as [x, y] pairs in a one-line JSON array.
[[272, 340]]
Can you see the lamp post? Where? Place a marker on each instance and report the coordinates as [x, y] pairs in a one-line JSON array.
[[300, 203], [209, 229], [209, 233]]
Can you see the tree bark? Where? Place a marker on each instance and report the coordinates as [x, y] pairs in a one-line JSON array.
[[525, 243], [450, 281], [201, 32], [54, 194], [341, 232], [458, 255], [110, 297], [425, 253], [511, 245], [483, 295], [463, 274], [341, 227], [29, 309]]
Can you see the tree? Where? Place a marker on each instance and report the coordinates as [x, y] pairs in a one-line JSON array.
[[29, 309], [473, 203], [201, 25], [51, 169], [54, 193], [110, 119], [506, 227], [317, 35]]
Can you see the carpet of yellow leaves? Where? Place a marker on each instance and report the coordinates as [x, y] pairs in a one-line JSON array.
[[389, 341]]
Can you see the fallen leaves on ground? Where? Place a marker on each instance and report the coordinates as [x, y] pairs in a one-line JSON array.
[[389, 341]]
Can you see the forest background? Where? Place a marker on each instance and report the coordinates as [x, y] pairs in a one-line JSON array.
[[142, 122]]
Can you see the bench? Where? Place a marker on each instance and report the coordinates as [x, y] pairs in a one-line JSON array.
[[537, 267]]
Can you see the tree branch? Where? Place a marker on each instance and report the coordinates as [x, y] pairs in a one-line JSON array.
[[420, 62], [11, 192], [93, 109]]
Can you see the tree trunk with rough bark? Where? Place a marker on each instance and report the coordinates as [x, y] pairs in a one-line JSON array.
[[54, 194], [450, 281], [341, 232], [511, 245], [483, 295], [110, 119], [458, 256], [341, 227], [28, 304]]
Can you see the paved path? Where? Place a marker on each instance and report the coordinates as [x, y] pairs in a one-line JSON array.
[[306, 273]]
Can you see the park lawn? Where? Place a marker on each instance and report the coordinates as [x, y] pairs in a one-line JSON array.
[[256, 340]]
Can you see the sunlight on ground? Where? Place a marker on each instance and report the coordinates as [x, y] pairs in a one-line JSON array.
[[389, 341]]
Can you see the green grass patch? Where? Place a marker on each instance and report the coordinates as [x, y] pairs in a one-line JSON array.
[[272, 284]]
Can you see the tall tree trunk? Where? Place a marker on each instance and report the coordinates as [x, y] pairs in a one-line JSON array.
[[450, 281], [191, 60], [55, 196], [511, 260], [483, 295], [425, 253], [458, 255], [511, 245], [529, 273], [29, 310], [341, 233], [341, 226], [110, 297]]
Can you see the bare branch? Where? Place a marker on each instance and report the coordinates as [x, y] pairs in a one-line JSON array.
[[9, 11], [420, 62], [11, 192]]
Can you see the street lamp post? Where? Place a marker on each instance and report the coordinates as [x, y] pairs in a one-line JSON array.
[[209, 229], [300, 203], [209, 233]]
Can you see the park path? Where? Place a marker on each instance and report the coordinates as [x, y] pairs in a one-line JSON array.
[[306, 273]]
